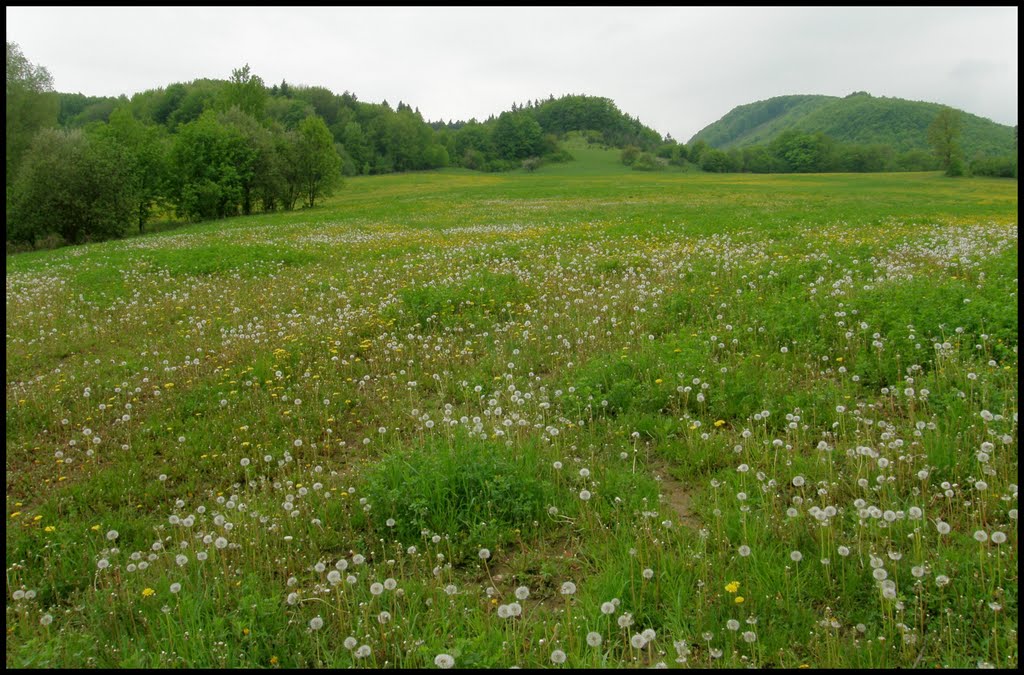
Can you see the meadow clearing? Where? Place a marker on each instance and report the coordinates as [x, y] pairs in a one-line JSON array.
[[583, 417]]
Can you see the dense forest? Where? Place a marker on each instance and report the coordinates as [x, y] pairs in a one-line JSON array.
[[85, 168]]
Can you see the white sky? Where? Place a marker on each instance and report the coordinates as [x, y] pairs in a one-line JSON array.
[[676, 68]]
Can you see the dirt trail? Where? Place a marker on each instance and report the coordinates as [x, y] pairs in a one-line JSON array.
[[675, 494]]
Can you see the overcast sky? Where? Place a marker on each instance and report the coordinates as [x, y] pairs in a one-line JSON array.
[[676, 68]]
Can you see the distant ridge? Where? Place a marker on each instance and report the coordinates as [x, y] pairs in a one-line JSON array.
[[857, 118]]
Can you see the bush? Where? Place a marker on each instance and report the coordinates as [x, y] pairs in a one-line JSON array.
[[997, 167], [630, 154], [647, 162], [473, 159], [77, 187], [560, 155], [531, 164], [714, 161]]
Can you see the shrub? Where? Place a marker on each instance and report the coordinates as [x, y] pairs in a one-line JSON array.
[[630, 154], [647, 162], [998, 167], [72, 185]]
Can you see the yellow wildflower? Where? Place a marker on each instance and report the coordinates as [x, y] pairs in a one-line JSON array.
[[732, 586], [148, 592]]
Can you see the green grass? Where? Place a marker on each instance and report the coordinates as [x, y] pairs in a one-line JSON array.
[[568, 368]]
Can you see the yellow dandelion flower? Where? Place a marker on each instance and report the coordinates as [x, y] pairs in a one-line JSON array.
[[738, 600], [148, 592], [49, 528]]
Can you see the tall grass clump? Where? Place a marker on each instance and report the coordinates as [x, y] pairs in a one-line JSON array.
[[472, 493]]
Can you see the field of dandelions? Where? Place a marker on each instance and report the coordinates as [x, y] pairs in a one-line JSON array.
[[560, 420]]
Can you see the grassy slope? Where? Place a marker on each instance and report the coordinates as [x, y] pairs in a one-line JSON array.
[[296, 324]]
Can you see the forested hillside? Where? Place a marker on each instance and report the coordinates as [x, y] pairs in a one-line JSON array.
[[858, 118]]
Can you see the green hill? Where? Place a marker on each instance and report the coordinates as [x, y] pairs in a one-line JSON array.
[[857, 118]]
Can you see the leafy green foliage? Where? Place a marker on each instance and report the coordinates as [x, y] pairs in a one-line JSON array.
[[944, 135], [647, 162], [600, 117], [77, 187], [318, 163], [31, 106], [244, 91], [147, 149]]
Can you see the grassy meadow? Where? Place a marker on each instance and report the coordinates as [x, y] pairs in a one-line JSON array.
[[582, 417]]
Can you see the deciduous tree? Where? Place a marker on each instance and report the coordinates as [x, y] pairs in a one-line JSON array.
[[944, 135], [31, 105], [318, 163]]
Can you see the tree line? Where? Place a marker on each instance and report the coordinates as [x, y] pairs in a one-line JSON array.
[[88, 168], [108, 176]]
